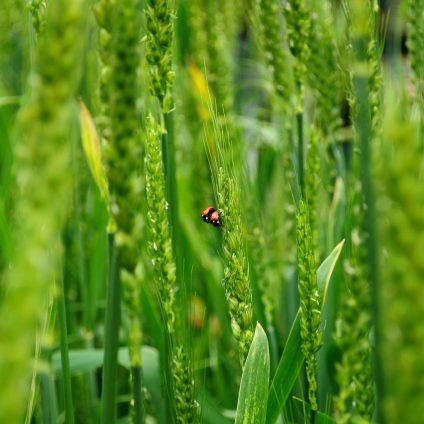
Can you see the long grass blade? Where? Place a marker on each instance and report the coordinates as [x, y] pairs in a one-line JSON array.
[[253, 395]]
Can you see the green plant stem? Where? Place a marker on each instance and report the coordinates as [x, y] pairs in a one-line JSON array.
[[364, 130], [112, 321], [47, 398], [313, 416], [64, 354], [300, 153], [168, 154], [138, 395], [169, 348], [273, 347]]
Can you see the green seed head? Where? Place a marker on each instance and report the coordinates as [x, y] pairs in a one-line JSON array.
[[160, 31], [309, 299]]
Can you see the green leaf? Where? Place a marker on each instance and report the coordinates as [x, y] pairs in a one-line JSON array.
[[88, 360], [92, 151], [80, 361], [326, 269], [292, 358], [253, 394]]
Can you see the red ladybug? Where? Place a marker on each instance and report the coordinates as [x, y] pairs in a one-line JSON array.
[[215, 219], [206, 214]]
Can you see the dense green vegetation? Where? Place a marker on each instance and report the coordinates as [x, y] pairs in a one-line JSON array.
[[211, 211]]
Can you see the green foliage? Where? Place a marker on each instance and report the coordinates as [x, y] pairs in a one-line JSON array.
[[284, 121]]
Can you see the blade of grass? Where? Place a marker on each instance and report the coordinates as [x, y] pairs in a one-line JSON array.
[[292, 359], [66, 375], [111, 338], [47, 398], [300, 153], [253, 395]]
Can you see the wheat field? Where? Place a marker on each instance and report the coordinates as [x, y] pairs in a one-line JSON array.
[[211, 211]]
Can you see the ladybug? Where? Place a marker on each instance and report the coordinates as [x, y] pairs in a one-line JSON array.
[[215, 219], [206, 214]]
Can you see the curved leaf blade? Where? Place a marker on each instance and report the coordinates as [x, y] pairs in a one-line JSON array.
[[253, 394]]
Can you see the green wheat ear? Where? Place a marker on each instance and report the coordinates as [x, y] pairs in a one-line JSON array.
[[236, 274], [160, 239], [416, 44], [297, 16], [196, 17], [160, 31], [42, 201], [219, 72], [310, 307], [37, 9], [324, 77], [236, 280], [355, 400], [120, 56], [278, 60], [312, 185], [186, 407]]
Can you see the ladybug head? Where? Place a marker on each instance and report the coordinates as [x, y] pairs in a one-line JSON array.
[[215, 219], [206, 213]]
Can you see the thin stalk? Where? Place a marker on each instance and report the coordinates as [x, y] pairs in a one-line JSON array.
[[300, 153], [47, 398], [113, 318], [138, 395], [169, 349], [89, 380], [364, 129], [421, 125], [273, 346], [32, 41], [64, 354], [84, 286], [168, 154]]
